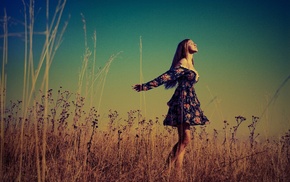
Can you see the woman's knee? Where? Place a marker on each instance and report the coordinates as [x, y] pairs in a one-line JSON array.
[[187, 134], [184, 134], [186, 139]]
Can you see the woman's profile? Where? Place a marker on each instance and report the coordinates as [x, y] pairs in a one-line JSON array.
[[184, 107]]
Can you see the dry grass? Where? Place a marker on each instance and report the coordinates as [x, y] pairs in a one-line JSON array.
[[132, 150]]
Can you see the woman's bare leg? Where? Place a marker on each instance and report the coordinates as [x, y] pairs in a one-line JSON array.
[[184, 138], [177, 154]]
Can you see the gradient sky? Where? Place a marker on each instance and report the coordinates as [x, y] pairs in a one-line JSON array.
[[243, 56]]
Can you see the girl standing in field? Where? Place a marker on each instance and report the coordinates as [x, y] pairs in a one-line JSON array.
[[184, 107]]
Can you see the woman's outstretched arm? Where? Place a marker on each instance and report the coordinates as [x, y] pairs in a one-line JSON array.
[[172, 74]]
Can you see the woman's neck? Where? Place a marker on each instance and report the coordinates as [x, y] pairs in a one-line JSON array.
[[189, 59]]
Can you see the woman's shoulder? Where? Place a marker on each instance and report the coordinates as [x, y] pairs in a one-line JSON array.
[[182, 62]]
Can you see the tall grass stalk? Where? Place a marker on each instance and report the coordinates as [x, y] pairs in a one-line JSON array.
[[85, 61], [276, 94], [216, 103], [3, 89], [142, 94], [93, 68], [46, 87], [25, 100], [106, 70]]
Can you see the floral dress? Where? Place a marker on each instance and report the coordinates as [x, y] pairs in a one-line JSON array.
[[184, 106]]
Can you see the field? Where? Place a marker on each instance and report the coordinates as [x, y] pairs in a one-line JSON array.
[[131, 149], [55, 135]]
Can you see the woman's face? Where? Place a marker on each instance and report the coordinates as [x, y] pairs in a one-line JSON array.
[[192, 47]]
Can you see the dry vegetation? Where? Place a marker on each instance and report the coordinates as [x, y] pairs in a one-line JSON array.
[[55, 136], [131, 149]]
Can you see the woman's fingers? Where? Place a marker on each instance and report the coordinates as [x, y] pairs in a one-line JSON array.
[[137, 87]]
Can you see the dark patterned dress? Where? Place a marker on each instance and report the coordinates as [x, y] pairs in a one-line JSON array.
[[184, 106]]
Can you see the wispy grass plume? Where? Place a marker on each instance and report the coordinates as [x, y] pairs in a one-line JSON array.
[[275, 96]]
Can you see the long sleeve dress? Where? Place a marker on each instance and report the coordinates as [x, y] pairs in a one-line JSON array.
[[184, 106]]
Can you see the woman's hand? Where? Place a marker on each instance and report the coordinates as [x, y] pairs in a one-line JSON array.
[[137, 87]]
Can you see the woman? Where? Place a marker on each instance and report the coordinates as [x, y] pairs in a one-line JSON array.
[[184, 107]]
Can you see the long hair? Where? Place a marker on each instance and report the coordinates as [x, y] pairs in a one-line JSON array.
[[180, 53]]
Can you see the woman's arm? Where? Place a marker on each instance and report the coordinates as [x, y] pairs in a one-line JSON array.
[[172, 74]]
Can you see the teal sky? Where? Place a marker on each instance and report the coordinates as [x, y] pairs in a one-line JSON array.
[[243, 56]]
